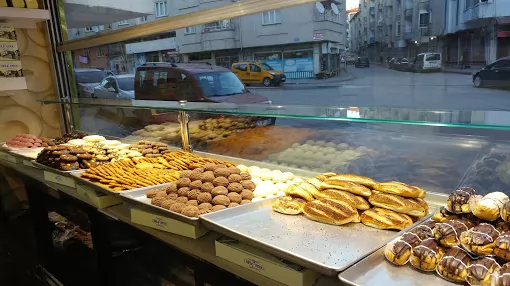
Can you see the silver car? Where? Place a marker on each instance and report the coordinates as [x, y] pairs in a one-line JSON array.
[[116, 87], [87, 79]]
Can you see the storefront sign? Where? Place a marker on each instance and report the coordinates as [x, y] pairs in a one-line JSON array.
[[298, 64], [318, 36]]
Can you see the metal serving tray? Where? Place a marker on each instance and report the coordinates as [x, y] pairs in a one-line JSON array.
[[376, 270], [325, 248], [137, 197], [98, 187]]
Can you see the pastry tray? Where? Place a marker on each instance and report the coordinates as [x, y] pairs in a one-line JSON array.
[[78, 178], [18, 152], [137, 198], [53, 170], [376, 270], [325, 248]]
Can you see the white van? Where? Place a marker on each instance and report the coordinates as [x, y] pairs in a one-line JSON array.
[[428, 62]]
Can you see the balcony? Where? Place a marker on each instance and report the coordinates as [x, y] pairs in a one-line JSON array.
[[328, 15], [225, 25], [87, 13], [151, 46]]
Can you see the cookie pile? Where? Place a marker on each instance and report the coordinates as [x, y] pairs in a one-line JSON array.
[[28, 141], [68, 158], [69, 136], [211, 188], [150, 149]]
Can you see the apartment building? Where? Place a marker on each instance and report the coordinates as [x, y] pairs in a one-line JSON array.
[[350, 14], [390, 28], [300, 40], [477, 31]]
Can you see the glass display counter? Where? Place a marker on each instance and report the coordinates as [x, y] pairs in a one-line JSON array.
[[435, 149]]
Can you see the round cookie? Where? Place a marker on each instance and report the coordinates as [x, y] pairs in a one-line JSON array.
[[204, 198], [207, 187], [221, 200], [191, 211], [234, 197], [218, 208], [220, 190], [69, 166], [221, 181]]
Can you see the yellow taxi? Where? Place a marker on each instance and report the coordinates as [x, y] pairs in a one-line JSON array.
[[258, 72]]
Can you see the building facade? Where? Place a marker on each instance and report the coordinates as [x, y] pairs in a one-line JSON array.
[[299, 45], [397, 28], [477, 31], [350, 14]]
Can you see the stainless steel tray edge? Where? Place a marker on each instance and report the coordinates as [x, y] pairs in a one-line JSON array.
[[53, 170], [78, 178], [281, 253], [130, 198]]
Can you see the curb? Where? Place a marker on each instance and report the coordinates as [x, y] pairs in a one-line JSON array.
[[319, 83]]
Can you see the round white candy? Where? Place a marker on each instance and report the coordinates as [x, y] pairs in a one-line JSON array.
[[288, 175], [256, 199], [281, 186], [297, 180], [256, 181], [281, 193], [279, 178], [252, 169], [266, 176]]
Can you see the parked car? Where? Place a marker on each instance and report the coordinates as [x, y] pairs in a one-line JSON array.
[[116, 87], [193, 82], [401, 64], [87, 79], [362, 62], [393, 62], [258, 72], [427, 62], [495, 74]]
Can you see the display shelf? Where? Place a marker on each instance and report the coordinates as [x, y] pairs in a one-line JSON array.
[[477, 119], [12, 83], [23, 18]]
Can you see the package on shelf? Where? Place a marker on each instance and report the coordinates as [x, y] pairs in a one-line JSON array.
[[7, 32], [9, 51], [17, 3], [11, 69], [32, 4]]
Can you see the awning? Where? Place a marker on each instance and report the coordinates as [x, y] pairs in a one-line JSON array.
[[87, 13], [503, 34]]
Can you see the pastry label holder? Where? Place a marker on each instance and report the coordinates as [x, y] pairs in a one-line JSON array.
[[96, 198], [263, 263], [167, 224], [9, 158], [59, 179]]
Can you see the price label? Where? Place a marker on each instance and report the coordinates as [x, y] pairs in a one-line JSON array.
[[8, 157], [253, 264], [59, 179], [95, 198], [166, 224]]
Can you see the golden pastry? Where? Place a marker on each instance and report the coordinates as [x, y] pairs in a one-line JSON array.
[[427, 255], [385, 219], [288, 205], [356, 201], [399, 204], [399, 250], [346, 186], [401, 189], [294, 190], [331, 211], [311, 189], [505, 211], [443, 215], [489, 207], [480, 239], [482, 272], [454, 265], [361, 180], [458, 201]]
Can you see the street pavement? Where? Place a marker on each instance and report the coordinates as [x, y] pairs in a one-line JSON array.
[[381, 87]]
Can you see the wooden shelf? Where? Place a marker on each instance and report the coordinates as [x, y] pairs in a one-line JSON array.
[[22, 17], [12, 83]]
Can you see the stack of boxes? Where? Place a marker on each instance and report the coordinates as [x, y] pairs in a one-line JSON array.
[[10, 64]]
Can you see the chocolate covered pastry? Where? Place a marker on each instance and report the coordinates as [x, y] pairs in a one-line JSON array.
[[502, 246], [427, 255], [480, 239], [399, 250], [505, 211], [448, 233], [503, 277], [443, 215], [425, 229], [454, 265], [482, 272], [458, 201]]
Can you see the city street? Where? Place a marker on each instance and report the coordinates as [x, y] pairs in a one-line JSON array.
[[381, 87]]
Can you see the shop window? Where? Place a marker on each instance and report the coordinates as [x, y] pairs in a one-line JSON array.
[[123, 23], [271, 17], [88, 29], [161, 9]]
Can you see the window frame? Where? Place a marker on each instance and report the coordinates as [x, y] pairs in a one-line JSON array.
[[190, 30], [157, 5], [397, 29], [425, 25], [89, 29], [86, 52], [123, 23], [143, 19], [100, 52], [259, 68], [276, 17]]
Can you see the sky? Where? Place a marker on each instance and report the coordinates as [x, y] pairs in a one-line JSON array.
[[352, 4]]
